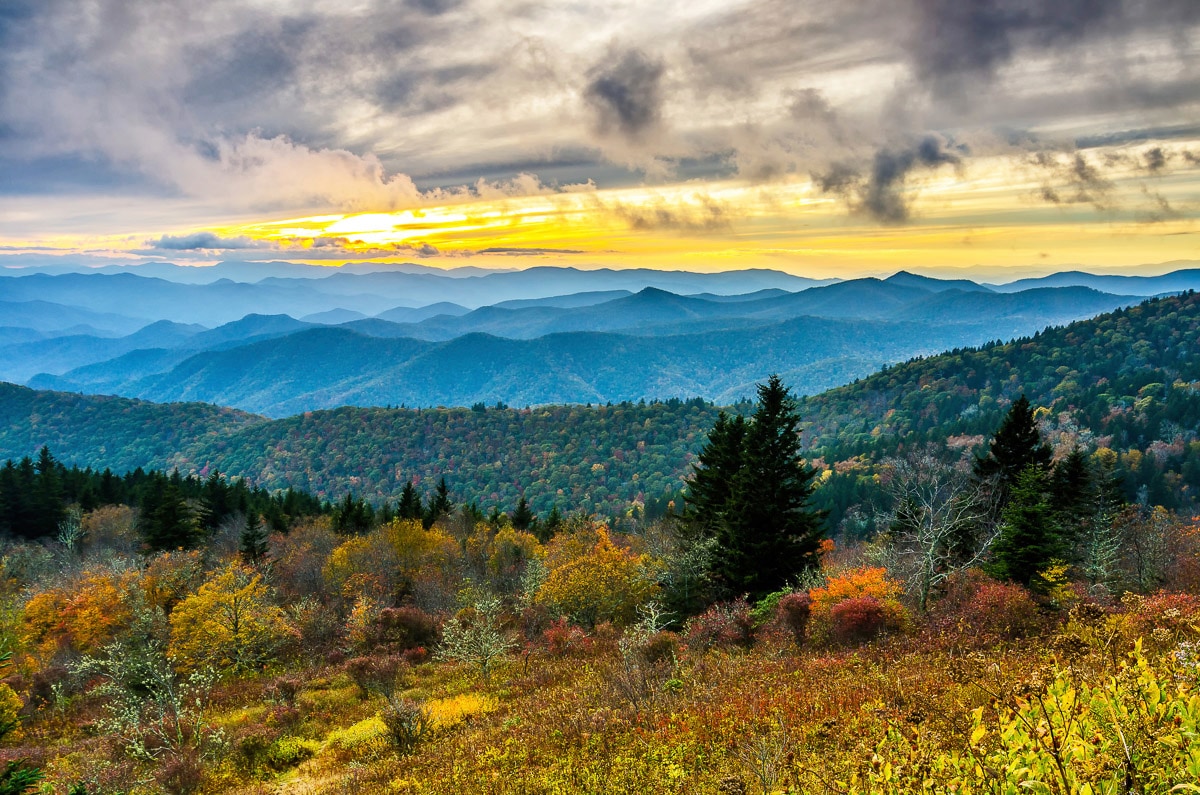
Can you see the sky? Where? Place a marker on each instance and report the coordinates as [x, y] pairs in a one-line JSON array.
[[977, 137]]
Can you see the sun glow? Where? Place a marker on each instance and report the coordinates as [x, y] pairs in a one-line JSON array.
[[988, 216]]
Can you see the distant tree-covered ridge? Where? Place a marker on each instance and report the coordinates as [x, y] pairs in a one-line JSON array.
[[600, 459]]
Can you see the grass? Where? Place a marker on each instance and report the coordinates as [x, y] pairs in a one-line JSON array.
[[772, 718]]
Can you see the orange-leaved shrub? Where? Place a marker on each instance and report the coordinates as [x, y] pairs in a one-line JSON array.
[[80, 617], [856, 606]]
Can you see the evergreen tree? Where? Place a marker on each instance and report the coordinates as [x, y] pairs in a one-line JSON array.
[[112, 490], [353, 516], [544, 531], [165, 520], [1030, 538], [409, 506], [711, 483], [1016, 445], [523, 518], [1074, 497], [216, 502], [49, 509], [440, 505], [253, 544], [767, 533]]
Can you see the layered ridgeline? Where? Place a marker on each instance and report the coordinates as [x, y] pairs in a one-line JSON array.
[[1127, 381], [597, 346]]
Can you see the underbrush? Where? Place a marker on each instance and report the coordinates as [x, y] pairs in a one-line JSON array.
[[991, 692]]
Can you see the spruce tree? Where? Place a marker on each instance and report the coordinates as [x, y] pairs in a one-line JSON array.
[[767, 533], [253, 544], [440, 505], [165, 521], [544, 531], [215, 502], [711, 483], [409, 506], [1071, 483], [48, 504], [1016, 445], [522, 518], [1030, 539]]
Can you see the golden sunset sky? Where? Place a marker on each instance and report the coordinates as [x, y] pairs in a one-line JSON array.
[[989, 138]]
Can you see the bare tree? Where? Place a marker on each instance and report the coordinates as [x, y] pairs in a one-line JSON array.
[[940, 522]]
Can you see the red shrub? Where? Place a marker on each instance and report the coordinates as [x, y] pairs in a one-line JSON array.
[[1165, 618], [858, 619], [793, 613], [415, 655], [983, 609], [563, 639], [723, 625]]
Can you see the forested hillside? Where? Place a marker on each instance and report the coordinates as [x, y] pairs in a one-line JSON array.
[[599, 458], [112, 432], [1128, 381]]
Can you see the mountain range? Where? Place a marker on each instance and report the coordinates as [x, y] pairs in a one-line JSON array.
[[364, 337], [1128, 381]]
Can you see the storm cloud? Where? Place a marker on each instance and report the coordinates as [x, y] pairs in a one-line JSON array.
[[626, 95], [880, 192], [235, 106]]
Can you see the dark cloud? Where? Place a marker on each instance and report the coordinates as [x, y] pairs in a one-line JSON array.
[[703, 215], [203, 240], [957, 40], [434, 7], [249, 67], [1073, 179], [880, 193], [840, 178], [1158, 208], [428, 90], [1155, 159], [626, 94]]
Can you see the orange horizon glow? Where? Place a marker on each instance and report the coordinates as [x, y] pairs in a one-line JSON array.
[[987, 219]]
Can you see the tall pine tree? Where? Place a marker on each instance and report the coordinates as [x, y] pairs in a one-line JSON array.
[[440, 505], [1030, 538], [409, 506], [253, 544], [1016, 445], [523, 518], [711, 484], [756, 501]]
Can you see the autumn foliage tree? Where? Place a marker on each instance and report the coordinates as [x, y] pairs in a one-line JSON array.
[[229, 623], [606, 583], [857, 605]]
